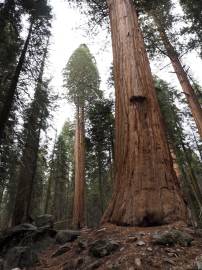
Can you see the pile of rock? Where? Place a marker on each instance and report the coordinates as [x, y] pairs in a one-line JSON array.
[[20, 245]]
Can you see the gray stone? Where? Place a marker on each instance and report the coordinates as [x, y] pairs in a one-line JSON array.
[[12, 237], [172, 238], [44, 221], [102, 248], [20, 257], [65, 236], [140, 243], [63, 249]]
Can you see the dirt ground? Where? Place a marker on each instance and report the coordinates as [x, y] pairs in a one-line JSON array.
[[136, 250]]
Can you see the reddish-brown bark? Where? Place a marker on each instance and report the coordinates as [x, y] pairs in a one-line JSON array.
[[79, 160], [146, 187]]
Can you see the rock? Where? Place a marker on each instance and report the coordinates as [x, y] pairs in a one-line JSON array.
[[141, 243], [30, 235], [138, 262], [149, 249], [12, 237], [199, 263], [61, 250], [44, 221], [102, 248], [21, 257], [65, 236], [172, 238], [132, 239]]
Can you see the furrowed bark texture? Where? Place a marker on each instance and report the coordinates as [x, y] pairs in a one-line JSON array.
[[79, 152], [146, 188], [187, 88]]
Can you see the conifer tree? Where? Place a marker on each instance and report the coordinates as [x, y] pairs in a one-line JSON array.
[[39, 24], [62, 172], [82, 83], [36, 117], [163, 21]]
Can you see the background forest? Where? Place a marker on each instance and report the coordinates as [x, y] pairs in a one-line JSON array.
[[69, 173]]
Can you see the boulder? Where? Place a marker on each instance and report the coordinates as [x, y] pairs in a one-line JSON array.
[[29, 235], [102, 248], [21, 257], [44, 221], [12, 237], [172, 238], [65, 236]]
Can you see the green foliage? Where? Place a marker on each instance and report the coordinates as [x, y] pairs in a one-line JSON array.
[[193, 13], [61, 174], [99, 160], [81, 77]]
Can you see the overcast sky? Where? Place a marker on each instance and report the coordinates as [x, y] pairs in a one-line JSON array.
[[69, 31]]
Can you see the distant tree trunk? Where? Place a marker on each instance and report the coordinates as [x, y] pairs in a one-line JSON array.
[[100, 183], [10, 95], [79, 152], [60, 191], [187, 88], [146, 188], [50, 181]]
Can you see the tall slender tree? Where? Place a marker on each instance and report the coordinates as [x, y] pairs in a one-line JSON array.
[[163, 21], [82, 82], [34, 123], [38, 28]]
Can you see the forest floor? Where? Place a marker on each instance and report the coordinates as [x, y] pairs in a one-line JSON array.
[[120, 248]]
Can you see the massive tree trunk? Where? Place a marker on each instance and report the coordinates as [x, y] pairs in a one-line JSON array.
[[79, 153], [146, 188], [187, 88], [10, 95]]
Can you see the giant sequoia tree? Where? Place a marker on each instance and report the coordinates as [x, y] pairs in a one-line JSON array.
[[146, 189], [82, 82]]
